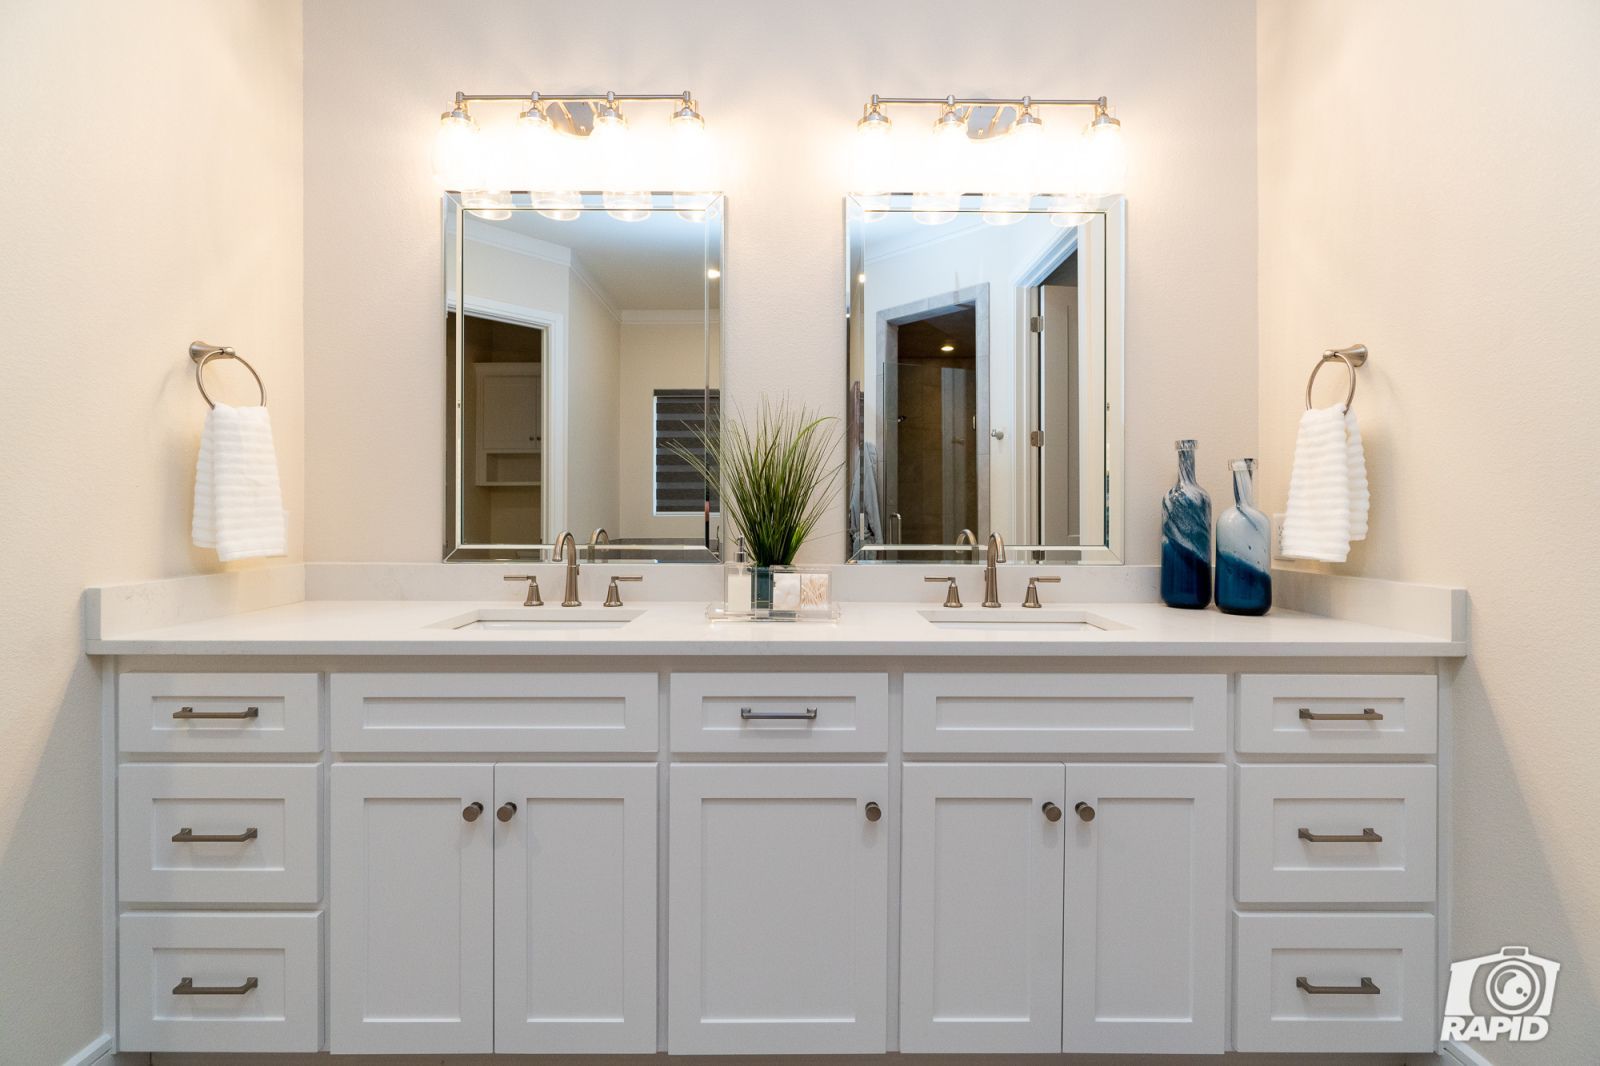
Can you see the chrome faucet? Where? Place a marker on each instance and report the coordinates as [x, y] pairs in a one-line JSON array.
[[567, 549], [597, 539], [991, 580]]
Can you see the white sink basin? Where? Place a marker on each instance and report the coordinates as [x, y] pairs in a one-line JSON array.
[[541, 619], [1060, 621]]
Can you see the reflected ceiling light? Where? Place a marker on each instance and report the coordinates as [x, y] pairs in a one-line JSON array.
[[947, 347], [713, 273]]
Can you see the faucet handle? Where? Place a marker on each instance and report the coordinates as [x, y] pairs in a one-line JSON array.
[[952, 594], [1031, 599], [534, 599], [614, 594]]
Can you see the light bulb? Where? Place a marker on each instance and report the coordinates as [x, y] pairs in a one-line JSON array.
[[620, 195], [1017, 155], [543, 162], [1105, 162], [869, 178], [949, 159], [456, 151], [690, 164]]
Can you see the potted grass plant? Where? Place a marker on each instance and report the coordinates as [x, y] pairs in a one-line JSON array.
[[776, 472]]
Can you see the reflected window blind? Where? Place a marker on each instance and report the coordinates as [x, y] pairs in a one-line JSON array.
[[681, 415]]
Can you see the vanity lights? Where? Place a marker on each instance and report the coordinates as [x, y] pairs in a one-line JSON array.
[[970, 148], [563, 142]]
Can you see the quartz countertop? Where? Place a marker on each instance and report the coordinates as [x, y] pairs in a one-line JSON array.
[[421, 627]]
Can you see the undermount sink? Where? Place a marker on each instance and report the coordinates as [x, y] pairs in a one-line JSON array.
[[542, 619], [1053, 620]]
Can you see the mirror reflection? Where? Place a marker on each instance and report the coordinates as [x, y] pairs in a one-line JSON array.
[[985, 369], [579, 346]]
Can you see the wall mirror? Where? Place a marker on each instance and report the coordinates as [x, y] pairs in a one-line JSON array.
[[580, 342], [985, 380]]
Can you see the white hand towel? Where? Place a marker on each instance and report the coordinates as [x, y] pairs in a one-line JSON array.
[[1360, 498], [1317, 522], [238, 505]]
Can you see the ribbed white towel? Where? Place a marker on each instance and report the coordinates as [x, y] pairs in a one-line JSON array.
[[1360, 498], [1317, 524], [238, 505]]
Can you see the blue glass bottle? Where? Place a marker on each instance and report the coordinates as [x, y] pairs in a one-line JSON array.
[[1244, 538], [1186, 537]]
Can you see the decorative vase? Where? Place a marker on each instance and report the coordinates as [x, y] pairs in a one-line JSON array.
[[1186, 537], [1244, 537]]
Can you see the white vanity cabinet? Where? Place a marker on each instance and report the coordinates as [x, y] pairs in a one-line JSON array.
[[763, 855]]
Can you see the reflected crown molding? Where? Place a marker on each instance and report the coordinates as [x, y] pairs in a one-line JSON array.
[[670, 318]]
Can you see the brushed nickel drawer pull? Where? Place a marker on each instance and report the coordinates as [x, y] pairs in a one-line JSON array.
[[874, 812], [1367, 714], [1366, 836], [1367, 987], [471, 811], [1084, 811], [189, 836], [750, 715], [183, 713], [1052, 813], [507, 811], [187, 987]]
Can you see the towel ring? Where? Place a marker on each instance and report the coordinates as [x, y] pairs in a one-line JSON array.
[[1351, 357], [202, 353]]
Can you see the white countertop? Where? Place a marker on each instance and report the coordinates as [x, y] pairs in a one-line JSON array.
[[413, 627]]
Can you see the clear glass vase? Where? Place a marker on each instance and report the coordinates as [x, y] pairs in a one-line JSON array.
[[1186, 537], [1244, 540]]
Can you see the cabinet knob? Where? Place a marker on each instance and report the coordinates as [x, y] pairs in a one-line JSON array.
[[1085, 811], [471, 811], [874, 812], [1052, 813], [506, 812]]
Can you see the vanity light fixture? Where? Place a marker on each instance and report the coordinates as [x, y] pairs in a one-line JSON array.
[[548, 154], [1009, 167]]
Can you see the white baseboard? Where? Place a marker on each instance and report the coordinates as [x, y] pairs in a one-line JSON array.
[[97, 1051], [1455, 1053]]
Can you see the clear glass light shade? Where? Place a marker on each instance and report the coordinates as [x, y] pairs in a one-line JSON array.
[[870, 163], [1104, 160], [620, 191], [690, 162], [491, 205], [457, 154]]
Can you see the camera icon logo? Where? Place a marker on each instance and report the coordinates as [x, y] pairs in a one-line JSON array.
[[1508, 994]]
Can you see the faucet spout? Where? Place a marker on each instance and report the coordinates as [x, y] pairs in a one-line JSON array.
[[567, 550], [991, 578]]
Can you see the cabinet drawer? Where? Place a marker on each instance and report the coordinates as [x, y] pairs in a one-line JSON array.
[[494, 712], [263, 973], [780, 712], [1066, 713], [1291, 968], [264, 819], [1311, 834], [213, 713], [1338, 714]]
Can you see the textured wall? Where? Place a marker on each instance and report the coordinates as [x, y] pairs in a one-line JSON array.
[[150, 195], [1430, 185], [781, 86]]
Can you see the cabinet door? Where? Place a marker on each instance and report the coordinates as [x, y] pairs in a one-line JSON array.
[[575, 909], [780, 903], [1146, 909], [411, 909], [980, 908]]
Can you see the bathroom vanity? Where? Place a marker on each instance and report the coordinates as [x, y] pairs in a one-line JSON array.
[[371, 827]]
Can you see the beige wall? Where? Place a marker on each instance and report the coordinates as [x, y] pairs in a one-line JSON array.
[[780, 87], [1430, 185], [150, 195], [594, 352]]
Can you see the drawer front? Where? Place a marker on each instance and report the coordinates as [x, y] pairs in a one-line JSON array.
[[780, 712], [1066, 713], [1339, 714], [218, 713], [263, 821], [494, 712], [219, 982], [1335, 982], [1337, 834]]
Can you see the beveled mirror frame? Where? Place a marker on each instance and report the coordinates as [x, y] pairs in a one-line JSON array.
[[1113, 212], [555, 455]]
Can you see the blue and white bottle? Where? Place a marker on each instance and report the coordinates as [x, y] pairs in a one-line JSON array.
[[1186, 537], [1244, 538]]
